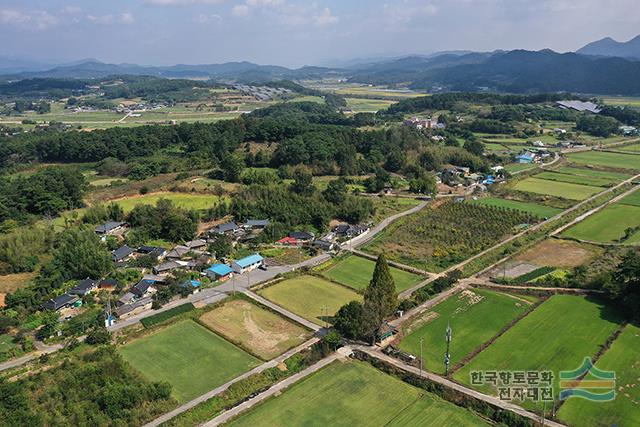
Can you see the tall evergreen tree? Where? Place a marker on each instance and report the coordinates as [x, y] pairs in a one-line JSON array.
[[380, 298]]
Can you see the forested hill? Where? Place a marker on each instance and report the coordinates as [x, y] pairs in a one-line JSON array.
[[519, 71]]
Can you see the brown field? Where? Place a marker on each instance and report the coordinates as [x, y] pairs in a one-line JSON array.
[[558, 253], [256, 329], [12, 282], [2, 300]]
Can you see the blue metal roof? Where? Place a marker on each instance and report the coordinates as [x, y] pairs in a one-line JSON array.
[[220, 269], [250, 260]]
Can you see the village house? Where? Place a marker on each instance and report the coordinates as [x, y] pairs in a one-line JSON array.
[[127, 310], [219, 272], [58, 303], [85, 287], [256, 224], [227, 227], [347, 230], [122, 254], [288, 241], [143, 288], [196, 245], [324, 245], [302, 236], [109, 228], [247, 264], [178, 252], [156, 251]]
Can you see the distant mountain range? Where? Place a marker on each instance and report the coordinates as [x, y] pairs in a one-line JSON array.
[[610, 47], [598, 68]]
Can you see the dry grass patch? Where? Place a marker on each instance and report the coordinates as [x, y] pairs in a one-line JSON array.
[[559, 253], [260, 331], [12, 282]]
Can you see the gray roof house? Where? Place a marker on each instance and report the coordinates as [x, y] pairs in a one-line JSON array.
[[196, 244], [60, 302], [178, 252], [122, 253], [109, 227], [227, 227], [256, 223], [84, 287]]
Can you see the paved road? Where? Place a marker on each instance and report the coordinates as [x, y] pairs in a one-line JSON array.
[[277, 388], [374, 352], [208, 395]]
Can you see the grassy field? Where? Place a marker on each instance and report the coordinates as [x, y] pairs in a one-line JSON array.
[[183, 200], [540, 211], [437, 237], [576, 179], [474, 315], [187, 355], [387, 206], [6, 344], [310, 297], [624, 359], [378, 93], [632, 199], [607, 225], [559, 189], [261, 331], [625, 101], [552, 337], [355, 394], [363, 105], [517, 167], [606, 159], [356, 272]]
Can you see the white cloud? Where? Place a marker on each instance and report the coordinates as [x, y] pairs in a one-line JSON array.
[[71, 10], [325, 18], [102, 19], [35, 21], [265, 3], [127, 18], [182, 2], [240, 10], [205, 19]]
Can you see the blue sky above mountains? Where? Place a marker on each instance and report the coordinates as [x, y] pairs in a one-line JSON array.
[[294, 33]]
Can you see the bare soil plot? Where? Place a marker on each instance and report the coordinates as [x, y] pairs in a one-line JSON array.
[[12, 282], [260, 331], [559, 253]]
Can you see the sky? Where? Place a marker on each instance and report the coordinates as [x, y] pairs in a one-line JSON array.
[[296, 33]]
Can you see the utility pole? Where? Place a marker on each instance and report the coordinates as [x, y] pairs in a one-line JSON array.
[[447, 355], [421, 339]]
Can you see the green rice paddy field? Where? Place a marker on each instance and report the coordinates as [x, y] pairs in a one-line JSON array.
[[594, 173], [355, 394], [475, 316], [356, 272], [541, 211], [609, 224], [188, 356], [576, 179], [623, 357], [635, 148], [310, 297], [552, 337], [565, 190], [183, 200], [606, 159]]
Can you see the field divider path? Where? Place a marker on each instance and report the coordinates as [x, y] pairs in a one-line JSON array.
[[494, 401], [597, 209], [273, 390], [486, 283], [212, 393], [396, 264], [460, 286], [283, 311]]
